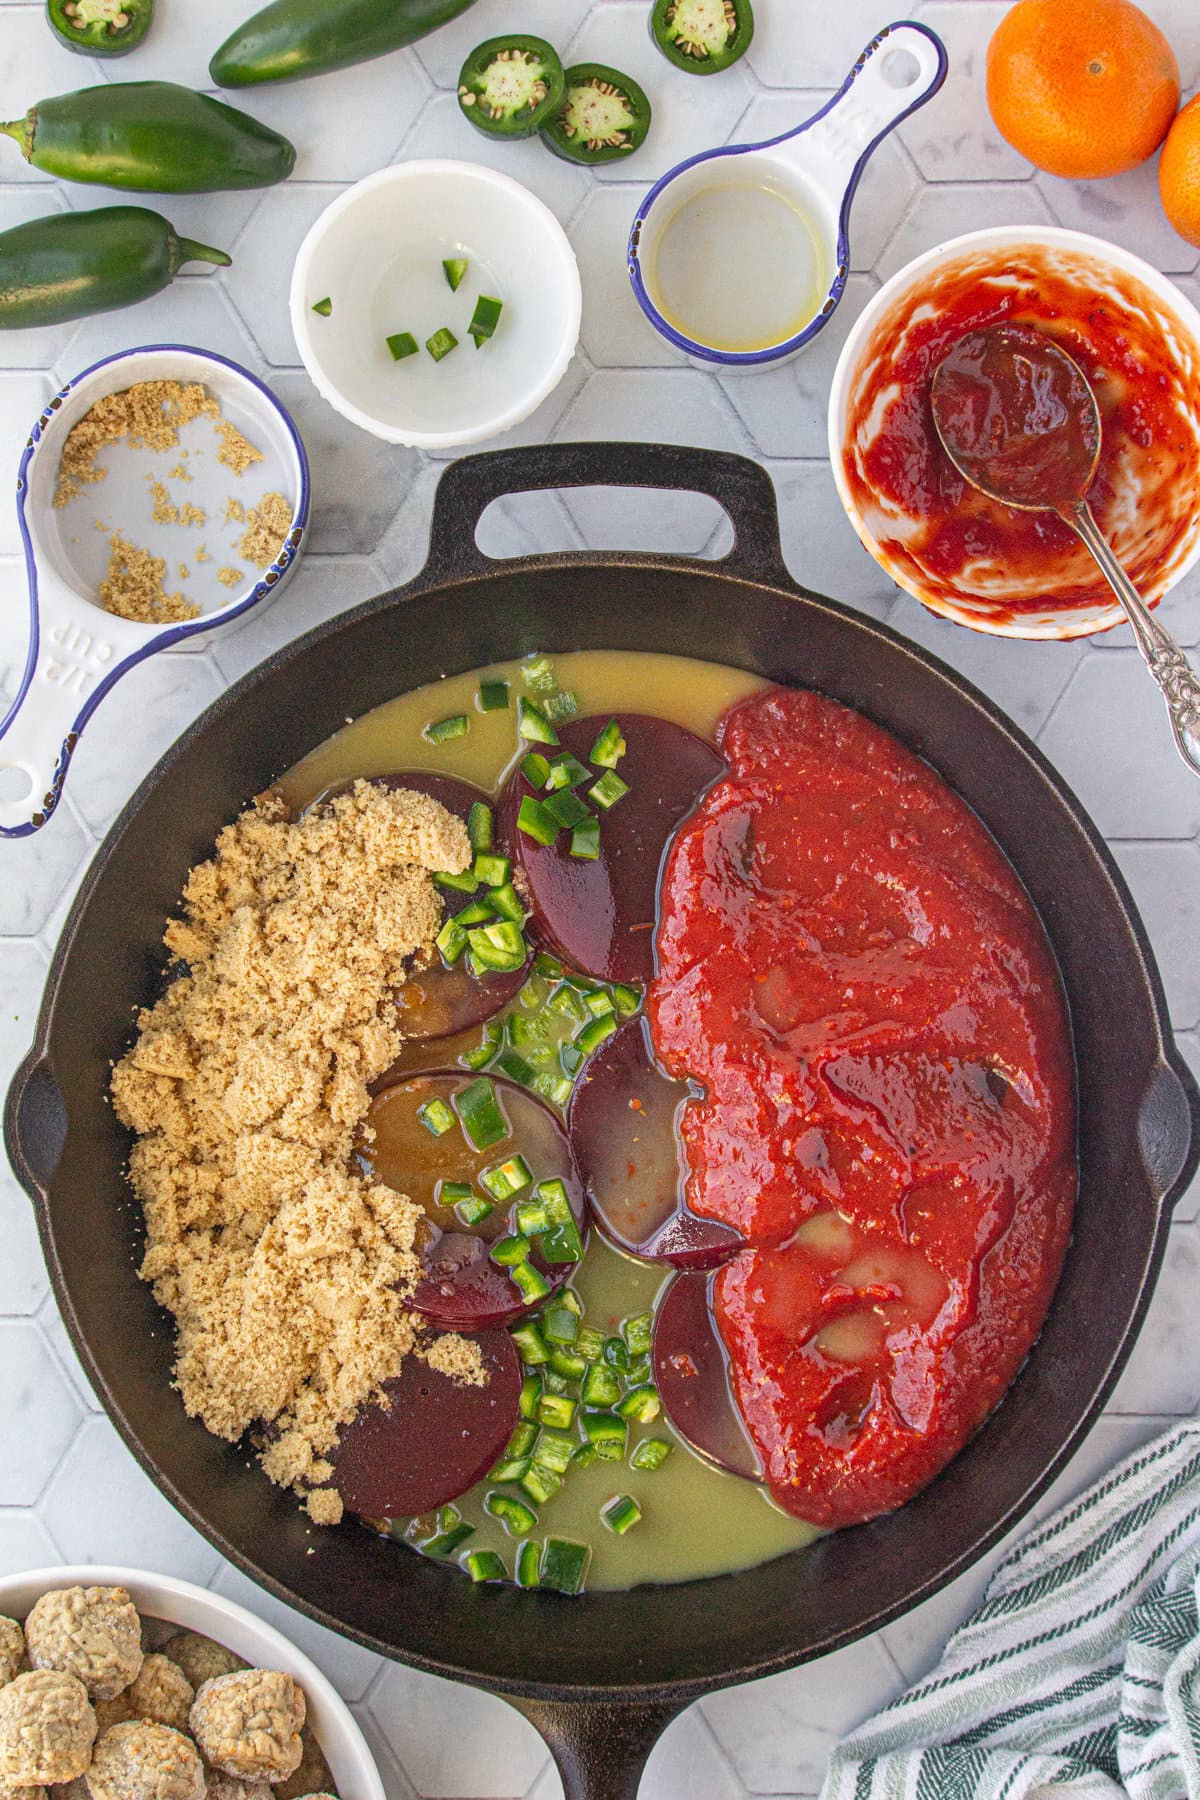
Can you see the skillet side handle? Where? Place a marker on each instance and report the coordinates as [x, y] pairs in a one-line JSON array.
[[737, 484], [35, 1124], [1169, 1131], [600, 1747]]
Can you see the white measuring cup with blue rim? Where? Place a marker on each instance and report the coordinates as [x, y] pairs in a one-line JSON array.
[[815, 169], [77, 650]]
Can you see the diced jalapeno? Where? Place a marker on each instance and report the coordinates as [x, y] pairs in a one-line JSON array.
[[441, 343], [566, 771], [323, 307], [511, 86], [651, 1453], [436, 1117], [532, 723], [485, 1565], [454, 268], [620, 1513], [443, 731], [585, 840], [564, 1565], [479, 828], [528, 1557], [485, 318], [603, 118], [566, 807], [493, 696], [402, 344]]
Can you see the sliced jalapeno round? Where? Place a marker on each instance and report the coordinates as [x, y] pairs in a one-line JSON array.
[[702, 36], [100, 27], [510, 86], [603, 117]]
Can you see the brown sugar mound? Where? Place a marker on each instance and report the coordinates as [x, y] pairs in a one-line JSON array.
[[284, 1266], [267, 526], [150, 415], [133, 587]]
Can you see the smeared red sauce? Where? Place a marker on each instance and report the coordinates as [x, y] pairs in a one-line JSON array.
[[950, 542], [1016, 416], [852, 971]]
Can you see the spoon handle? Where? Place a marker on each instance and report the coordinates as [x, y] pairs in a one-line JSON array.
[[1165, 659]]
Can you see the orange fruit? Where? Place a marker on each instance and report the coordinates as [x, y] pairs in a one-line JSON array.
[[1179, 173], [1082, 88]]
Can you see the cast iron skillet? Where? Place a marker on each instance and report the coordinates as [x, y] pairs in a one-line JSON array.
[[601, 1676]]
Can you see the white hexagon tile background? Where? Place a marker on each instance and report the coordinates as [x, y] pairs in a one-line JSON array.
[[69, 1491]]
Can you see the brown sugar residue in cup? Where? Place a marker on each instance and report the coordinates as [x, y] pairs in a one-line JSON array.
[[133, 588], [248, 1088], [165, 512], [149, 415], [267, 526], [236, 452], [230, 577]]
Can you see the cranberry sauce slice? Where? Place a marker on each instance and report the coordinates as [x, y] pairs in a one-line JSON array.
[[439, 1001], [691, 1369], [600, 915], [435, 1438], [463, 1289], [623, 1119]]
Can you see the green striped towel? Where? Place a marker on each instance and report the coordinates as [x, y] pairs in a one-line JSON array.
[[1080, 1672]]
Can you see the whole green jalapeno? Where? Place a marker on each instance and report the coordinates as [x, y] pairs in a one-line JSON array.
[[151, 136], [100, 27], [291, 39], [69, 265]]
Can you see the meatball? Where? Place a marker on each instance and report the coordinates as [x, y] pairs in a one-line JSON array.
[[22, 1793], [12, 1650], [112, 1712], [47, 1729], [161, 1693], [200, 1658], [249, 1724], [313, 1775], [228, 1787], [93, 1633], [143, 1761]]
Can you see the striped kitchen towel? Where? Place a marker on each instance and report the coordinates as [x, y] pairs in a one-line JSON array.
[[1080, 1672]]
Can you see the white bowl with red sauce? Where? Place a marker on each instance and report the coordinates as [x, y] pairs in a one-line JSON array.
[[1023, 574]]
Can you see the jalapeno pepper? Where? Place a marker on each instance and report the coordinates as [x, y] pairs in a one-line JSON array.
[[702, 36], [291, 39], [511, 86], [71, 264], [604, 116], [152, 136], [100, 27]]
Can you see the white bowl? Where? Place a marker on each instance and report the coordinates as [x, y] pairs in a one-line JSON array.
[[377, 254], [993, 251], [197, 1609]]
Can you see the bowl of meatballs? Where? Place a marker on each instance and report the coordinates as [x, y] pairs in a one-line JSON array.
[[119, 1685]]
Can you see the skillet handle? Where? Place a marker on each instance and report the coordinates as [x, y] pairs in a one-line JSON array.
[[1169, 1130], [600, 1747], [469, 486]]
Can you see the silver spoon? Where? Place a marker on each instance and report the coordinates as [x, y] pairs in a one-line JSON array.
[[1019, 420]]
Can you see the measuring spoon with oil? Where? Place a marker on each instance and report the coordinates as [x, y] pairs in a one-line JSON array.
[[739, 256], [77, 650]]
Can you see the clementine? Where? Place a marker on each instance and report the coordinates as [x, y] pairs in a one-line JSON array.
[[1179, 173], [1082, 88]]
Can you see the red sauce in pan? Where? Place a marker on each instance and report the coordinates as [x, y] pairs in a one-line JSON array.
[[938, 533], [853, 972]]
